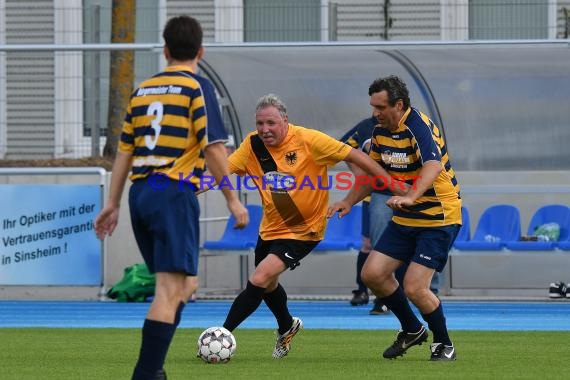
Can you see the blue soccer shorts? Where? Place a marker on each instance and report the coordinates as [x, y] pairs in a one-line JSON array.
[[165, 223], [427, 246]]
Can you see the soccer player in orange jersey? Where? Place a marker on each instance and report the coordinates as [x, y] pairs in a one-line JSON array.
[[288, 164]]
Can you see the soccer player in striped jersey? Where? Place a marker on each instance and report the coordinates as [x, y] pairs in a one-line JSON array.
[[375, 217], [425, 222], [288, 164], [173, 127]]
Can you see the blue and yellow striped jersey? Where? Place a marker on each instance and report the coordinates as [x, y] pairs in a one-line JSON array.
[[170, 119], [357, 135], [402, 153]]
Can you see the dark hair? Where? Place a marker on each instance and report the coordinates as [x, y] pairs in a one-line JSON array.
[[394, 86], [183, 37]]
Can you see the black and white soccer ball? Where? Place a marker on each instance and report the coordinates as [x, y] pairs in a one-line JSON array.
[[216, 345]]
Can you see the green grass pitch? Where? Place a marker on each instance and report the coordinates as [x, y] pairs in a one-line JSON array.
[[79, 354]]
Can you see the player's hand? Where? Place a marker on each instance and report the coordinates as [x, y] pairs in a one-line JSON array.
[[400, 203], [341, 207], [239, 212], [106, 222]]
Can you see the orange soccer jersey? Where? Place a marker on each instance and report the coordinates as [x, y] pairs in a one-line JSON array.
[[294, 196]]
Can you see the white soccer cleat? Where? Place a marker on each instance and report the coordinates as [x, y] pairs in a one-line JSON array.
[[283, 343]]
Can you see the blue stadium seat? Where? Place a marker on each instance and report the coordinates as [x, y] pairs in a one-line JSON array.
[[502, 222], [343, 234], [546, 214], [464, 233], [234, 239]]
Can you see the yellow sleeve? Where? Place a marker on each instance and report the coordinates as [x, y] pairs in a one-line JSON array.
[[325, 149], [127, 138]]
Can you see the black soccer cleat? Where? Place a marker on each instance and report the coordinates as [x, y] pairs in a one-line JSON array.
[[359, 298], [379, 308], [404, 341], [558, 290], [441, 352]]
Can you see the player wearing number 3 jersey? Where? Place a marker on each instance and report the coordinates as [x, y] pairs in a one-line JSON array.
[[165, 127], [172, 129]]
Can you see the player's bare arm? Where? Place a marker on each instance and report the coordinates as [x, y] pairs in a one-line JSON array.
[[428, 174], [106, 222], [372, 168], [218, 165], [361, 166]]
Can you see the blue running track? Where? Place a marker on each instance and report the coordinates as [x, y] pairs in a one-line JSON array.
[[504, 316]]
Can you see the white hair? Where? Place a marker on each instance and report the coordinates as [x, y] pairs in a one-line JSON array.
[[271, 100]]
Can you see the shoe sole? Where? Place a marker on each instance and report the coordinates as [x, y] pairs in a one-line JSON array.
[[421, 339], [358, 303], [443, 360], [379, 312], [384, 310]]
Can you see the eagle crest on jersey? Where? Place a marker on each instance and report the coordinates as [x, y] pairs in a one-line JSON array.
[[291, 158]]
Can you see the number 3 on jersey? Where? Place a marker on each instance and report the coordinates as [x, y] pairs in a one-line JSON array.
[[156, 109]]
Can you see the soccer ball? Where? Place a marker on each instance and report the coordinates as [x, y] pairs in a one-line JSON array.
[[216, 345]]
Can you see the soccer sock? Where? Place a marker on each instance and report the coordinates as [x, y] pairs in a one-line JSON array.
[[359, 264], [244, 305], [178, 315], [399, 305], [156, 338], [400, 273], [436, 323], [434, 285], [277, 302]]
